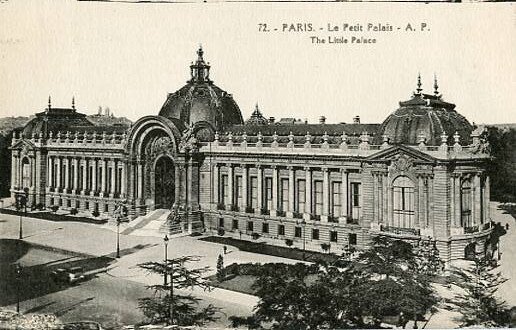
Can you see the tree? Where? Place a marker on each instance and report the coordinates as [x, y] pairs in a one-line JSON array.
[[167, 306], [478, 304], [221, 274]]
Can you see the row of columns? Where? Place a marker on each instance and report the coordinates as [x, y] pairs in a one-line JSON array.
[[309, 191], [69, 179]]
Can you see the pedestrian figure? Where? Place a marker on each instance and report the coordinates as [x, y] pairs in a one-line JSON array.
[[225, 249], [507, 226]]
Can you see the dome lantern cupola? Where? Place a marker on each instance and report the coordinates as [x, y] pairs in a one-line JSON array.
[[200, 71]]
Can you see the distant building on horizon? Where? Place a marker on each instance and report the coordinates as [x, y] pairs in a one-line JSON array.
[[419, 175]]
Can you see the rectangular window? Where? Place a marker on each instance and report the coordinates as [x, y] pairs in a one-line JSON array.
[[250, 226], [235, 224], [301, 195], [333, 236], [268, 194], [265, 228], [284, 195], [336, 198], [355, 201], [318, 197], [221, 222], [224, 189], [315, 233], [106, 208], [254, 192], [352, 239], [297, 232], [238, 192], [281, 230]]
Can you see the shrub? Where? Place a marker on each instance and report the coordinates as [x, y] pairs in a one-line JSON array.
[[221, 206], [249, 209], [221, 231], [74, 211], [39, 206], [220, 268], [95, 213], [289, 242], [54, 208], [255, 235]]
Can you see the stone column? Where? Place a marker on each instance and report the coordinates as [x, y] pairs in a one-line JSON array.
[[291, 190], [375, 197], [103, 177], [245, 197], [93, 176], [487, 197], [308, 193], [389, 204], [421, 202], [274, 190], [123, 186], [177, 181], [114, 171], [385, 202], [326, 195], [216, 187], [50, 178], [259, 193], [139, 188], [75, 175], [231, 189], [84, 175], [13, 172], [453, 199], [58, 173], [457, 201], [66, 166], [476, 205], [344, 194]]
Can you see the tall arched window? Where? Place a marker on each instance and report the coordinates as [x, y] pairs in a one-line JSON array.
[[403, 202], [465, 203], [26, 173]]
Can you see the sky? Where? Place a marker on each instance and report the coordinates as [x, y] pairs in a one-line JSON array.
[[129, 56]]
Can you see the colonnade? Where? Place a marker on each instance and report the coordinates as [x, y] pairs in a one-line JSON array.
[[326, 175], [95, 176]]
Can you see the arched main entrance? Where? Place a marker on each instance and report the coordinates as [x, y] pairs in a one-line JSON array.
[[164, 183], [469, 251]]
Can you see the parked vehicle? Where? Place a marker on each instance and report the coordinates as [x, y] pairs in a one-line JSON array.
[[68, 275]]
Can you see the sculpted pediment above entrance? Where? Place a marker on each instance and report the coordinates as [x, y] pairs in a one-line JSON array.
[[401, 156], [24, 146]]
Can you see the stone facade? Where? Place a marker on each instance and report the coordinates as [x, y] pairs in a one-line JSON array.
[[337, 184]]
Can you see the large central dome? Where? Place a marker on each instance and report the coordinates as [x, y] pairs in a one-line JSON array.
[[201, 101]]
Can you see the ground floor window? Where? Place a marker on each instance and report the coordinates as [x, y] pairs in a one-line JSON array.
[[352, 239], [265, 228], [315, 233], [250, 226], [235, 224], [333, 236], [221, 222], [297, 232], [281, 230]]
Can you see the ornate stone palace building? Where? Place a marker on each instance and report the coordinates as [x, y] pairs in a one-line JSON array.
[[419, 175]]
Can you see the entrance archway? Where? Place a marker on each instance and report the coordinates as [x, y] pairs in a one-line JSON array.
[[164, 194]]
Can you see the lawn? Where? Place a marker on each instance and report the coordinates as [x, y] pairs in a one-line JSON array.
[[45, 215], [272, 250]]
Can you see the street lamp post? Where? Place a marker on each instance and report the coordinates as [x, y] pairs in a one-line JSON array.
[[120, 214], [165, 240], [18, 275], [118, 237], [21, 206]]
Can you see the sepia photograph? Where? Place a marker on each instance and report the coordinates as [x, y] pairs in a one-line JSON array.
[[257, 166]]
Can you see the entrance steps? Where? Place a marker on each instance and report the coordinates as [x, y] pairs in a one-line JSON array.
[[149, 224]]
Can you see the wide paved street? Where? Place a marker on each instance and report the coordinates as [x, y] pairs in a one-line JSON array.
[[111, 294]]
